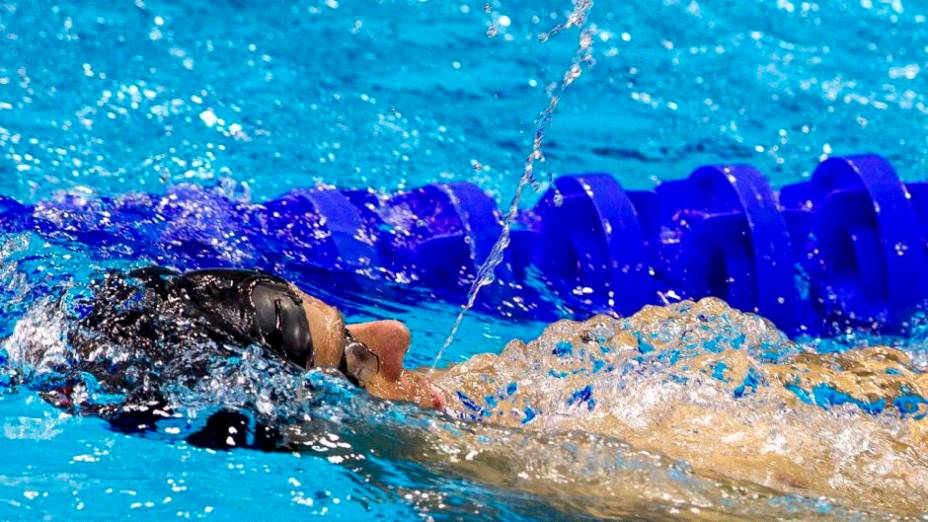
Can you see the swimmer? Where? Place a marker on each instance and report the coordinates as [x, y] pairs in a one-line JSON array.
[[695, 382], [155, 317]]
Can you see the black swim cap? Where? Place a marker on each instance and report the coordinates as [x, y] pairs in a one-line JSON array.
[[250, 306], [280, 320]]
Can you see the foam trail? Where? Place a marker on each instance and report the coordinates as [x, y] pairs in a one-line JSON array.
[[723, 393]]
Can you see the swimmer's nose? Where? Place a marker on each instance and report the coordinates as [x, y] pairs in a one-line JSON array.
[[389, 340]]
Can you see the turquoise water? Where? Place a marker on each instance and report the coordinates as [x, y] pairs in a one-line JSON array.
[[104, 98]]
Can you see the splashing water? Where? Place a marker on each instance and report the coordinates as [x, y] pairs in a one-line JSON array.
[[583, 56], [723, 391], [249, 97], [693, 408]]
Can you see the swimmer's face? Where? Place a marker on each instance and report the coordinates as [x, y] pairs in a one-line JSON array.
[[388, 340]]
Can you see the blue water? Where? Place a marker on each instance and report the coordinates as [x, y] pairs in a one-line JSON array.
[[104, 98]]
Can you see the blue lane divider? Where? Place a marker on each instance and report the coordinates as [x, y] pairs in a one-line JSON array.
[[844, 249], [591, 243], [735, 243]]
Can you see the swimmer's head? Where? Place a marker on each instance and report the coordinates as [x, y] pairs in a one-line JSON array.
[[227, 306], [369, 354]]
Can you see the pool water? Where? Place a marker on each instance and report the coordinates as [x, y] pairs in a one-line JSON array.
[[101, 99]]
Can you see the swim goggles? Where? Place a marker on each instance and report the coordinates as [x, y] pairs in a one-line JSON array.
[[358, 363]]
